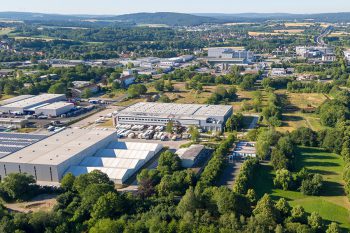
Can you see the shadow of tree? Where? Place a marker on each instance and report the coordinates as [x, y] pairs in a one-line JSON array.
[[331, 188]]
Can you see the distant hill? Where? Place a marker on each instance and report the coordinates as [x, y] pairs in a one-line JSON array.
[[168, 18], [175, 19], [253, 17]]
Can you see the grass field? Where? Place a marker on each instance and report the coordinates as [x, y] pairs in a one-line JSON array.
[[294, 118], [5, 31], [332, 204], [129, 102]]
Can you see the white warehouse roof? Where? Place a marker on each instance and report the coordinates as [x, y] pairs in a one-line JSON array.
[[15, 99], [134, 146], [110, 162], [115, 174], [126, 154], [58, 148], [166, 109], [32, 101], [56, 105]]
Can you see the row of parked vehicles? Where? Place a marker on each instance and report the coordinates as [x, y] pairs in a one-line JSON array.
[[147, 132]]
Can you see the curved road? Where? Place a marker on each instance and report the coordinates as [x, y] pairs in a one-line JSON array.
[[326, 32]]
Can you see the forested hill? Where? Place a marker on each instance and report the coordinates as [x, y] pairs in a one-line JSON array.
[[175, 19], [258, 17], [168, 18]]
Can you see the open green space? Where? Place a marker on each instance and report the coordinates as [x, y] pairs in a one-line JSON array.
[[332, 204]]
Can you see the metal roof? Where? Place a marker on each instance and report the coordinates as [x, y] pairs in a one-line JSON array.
[[59, 147], [12, 142], [110, 162], [167, 109], [15, 99], [56, 105], [112, 173], [28, 102]]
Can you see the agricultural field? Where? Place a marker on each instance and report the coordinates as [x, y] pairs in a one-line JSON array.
[[332, 204], [298, 24], [290, 31]]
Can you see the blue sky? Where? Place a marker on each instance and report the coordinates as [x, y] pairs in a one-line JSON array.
[[188, 6]]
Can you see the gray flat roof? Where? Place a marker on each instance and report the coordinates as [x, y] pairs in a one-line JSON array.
[[15, 99], [168, 109], [33, 100], [56, 105], [190, 153], [59, 147]]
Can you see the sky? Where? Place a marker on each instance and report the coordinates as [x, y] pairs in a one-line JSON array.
[[115, 7]]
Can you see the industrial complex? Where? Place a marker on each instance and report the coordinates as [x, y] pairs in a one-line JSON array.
[[74, 150], [28, 104], [206, 117]]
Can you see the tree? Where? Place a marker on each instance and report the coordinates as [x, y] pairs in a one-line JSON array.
[[168, 163], [266, 213], [19, 186], [298, 214], [332, 112], [136, 90], [147, 180], [312, 185], [333, 228], [169, 126], [58, 88], [278, 159], [193, 130], [283, 179], [94, 177], [86, 93], [164, 99], [108, 226], [266, 139], [283, 207], [188, 203], [169, 86], [159, 85], [110, 205], [67, 181], [235, 122], [8, 89], [315, 221]]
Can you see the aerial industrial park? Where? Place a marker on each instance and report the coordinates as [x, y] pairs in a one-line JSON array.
[[175, 122]]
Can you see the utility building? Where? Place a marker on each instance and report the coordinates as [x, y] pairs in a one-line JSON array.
[[207, 117]]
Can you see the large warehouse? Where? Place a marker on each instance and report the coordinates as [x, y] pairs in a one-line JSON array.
[[207, 117], [27, 105], [78, 151], [119, 160], [48, 159], [54, 109]]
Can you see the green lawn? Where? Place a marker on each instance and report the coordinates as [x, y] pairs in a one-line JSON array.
[[332, 205]]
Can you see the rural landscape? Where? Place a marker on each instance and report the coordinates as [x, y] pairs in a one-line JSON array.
[[174, 122]]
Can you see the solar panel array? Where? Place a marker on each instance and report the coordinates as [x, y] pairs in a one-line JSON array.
[[12, 142]]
